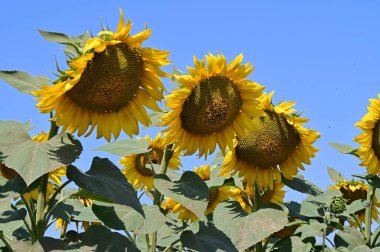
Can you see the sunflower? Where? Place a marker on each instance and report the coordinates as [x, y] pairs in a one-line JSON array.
[[355, 190], [108, 85], [217, 195], [278, 145], [215, 103], [369, 151], [7, 173], [275, 195], [135, 165]]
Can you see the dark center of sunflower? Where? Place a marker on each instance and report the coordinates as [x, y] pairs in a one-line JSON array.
[[142, 160], [351, 196], [212, 105], [110, 79], [376, 139], [272, 142]]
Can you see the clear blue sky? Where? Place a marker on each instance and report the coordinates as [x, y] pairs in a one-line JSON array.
[[325, 55]]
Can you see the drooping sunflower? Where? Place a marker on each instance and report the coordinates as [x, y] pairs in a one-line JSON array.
[[108, 85], [355, 190], [215, 103], [135, 165], [369, 151], [279, 144]]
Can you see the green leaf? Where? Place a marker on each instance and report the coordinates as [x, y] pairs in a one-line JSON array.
[[11, 188], [218, 159], [243, 230], [44, 244], [208, 238], [86, 214], [362, 248], [343, 148], [155, 118], [295, 244], [63, 211], [106, 180], [313, 229], [215, 179], [300, 184], [190, 191], [118, 217], [154, 220], [56, 37], [23, 82], [126, 147], [335, 175], [356, 206], [350, 238], [8, 228], [100, 238], [30, 159]]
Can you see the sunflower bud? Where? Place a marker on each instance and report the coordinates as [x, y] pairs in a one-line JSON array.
[[338, 205]]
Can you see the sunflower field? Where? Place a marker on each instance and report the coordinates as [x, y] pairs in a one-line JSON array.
[[247, 150]]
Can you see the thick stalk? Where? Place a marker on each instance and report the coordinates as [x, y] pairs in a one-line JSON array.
[[42, 192], [368, 214], [168, 153], [256, 207], [7, 245]]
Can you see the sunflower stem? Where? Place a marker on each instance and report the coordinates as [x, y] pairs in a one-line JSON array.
[[7, 245], [42, 191], [31, 216], [168, 153], [368, 214], [256, 207]]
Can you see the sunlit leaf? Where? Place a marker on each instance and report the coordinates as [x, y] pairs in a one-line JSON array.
[[243, 230], [313, 229], [295, 244], [23, 81], [335, 175], [126, 147], [31, 159], [343, 148], [350, 238]]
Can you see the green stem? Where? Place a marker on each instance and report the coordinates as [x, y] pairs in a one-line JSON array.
[[32, 231], [359, 224], [6, 242], [171, 245], [52, 198], [256, 206], [168, 153], [42, 191], [375, 239], [368, 214]]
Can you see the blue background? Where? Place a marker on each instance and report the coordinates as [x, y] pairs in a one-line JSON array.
[[322, 54]]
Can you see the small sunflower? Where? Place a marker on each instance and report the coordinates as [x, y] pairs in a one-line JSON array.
[[355, 190], [369, 151], [275, 195], [279, 144], [217, 195], [135, 165], [7, 173], [215, 103], [108, 85]]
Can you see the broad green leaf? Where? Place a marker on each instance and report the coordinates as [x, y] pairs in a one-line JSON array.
[[63, 211], [100, 238], [300, 184], [350, 238], [8, 228], [208, 238], [56, 37], [155, 118], [23, 81], [11, 188], [295, 244], [190, 191], [118, 217], [243, 230], [10, 220], [126, 147], [313, 229], [310, 208], [106, 180], [362, 248], [44, 244], [86, 215], [154, 219], [215, 179], [335, 175], [356, 206], [343, 148], [326, 197], [30, 159]]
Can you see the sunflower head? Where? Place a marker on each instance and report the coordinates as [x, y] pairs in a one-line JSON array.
[[137, 167], [369, 139], [108, 85], [216, 102], [7, 173], [355, 190], [279, 144]]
